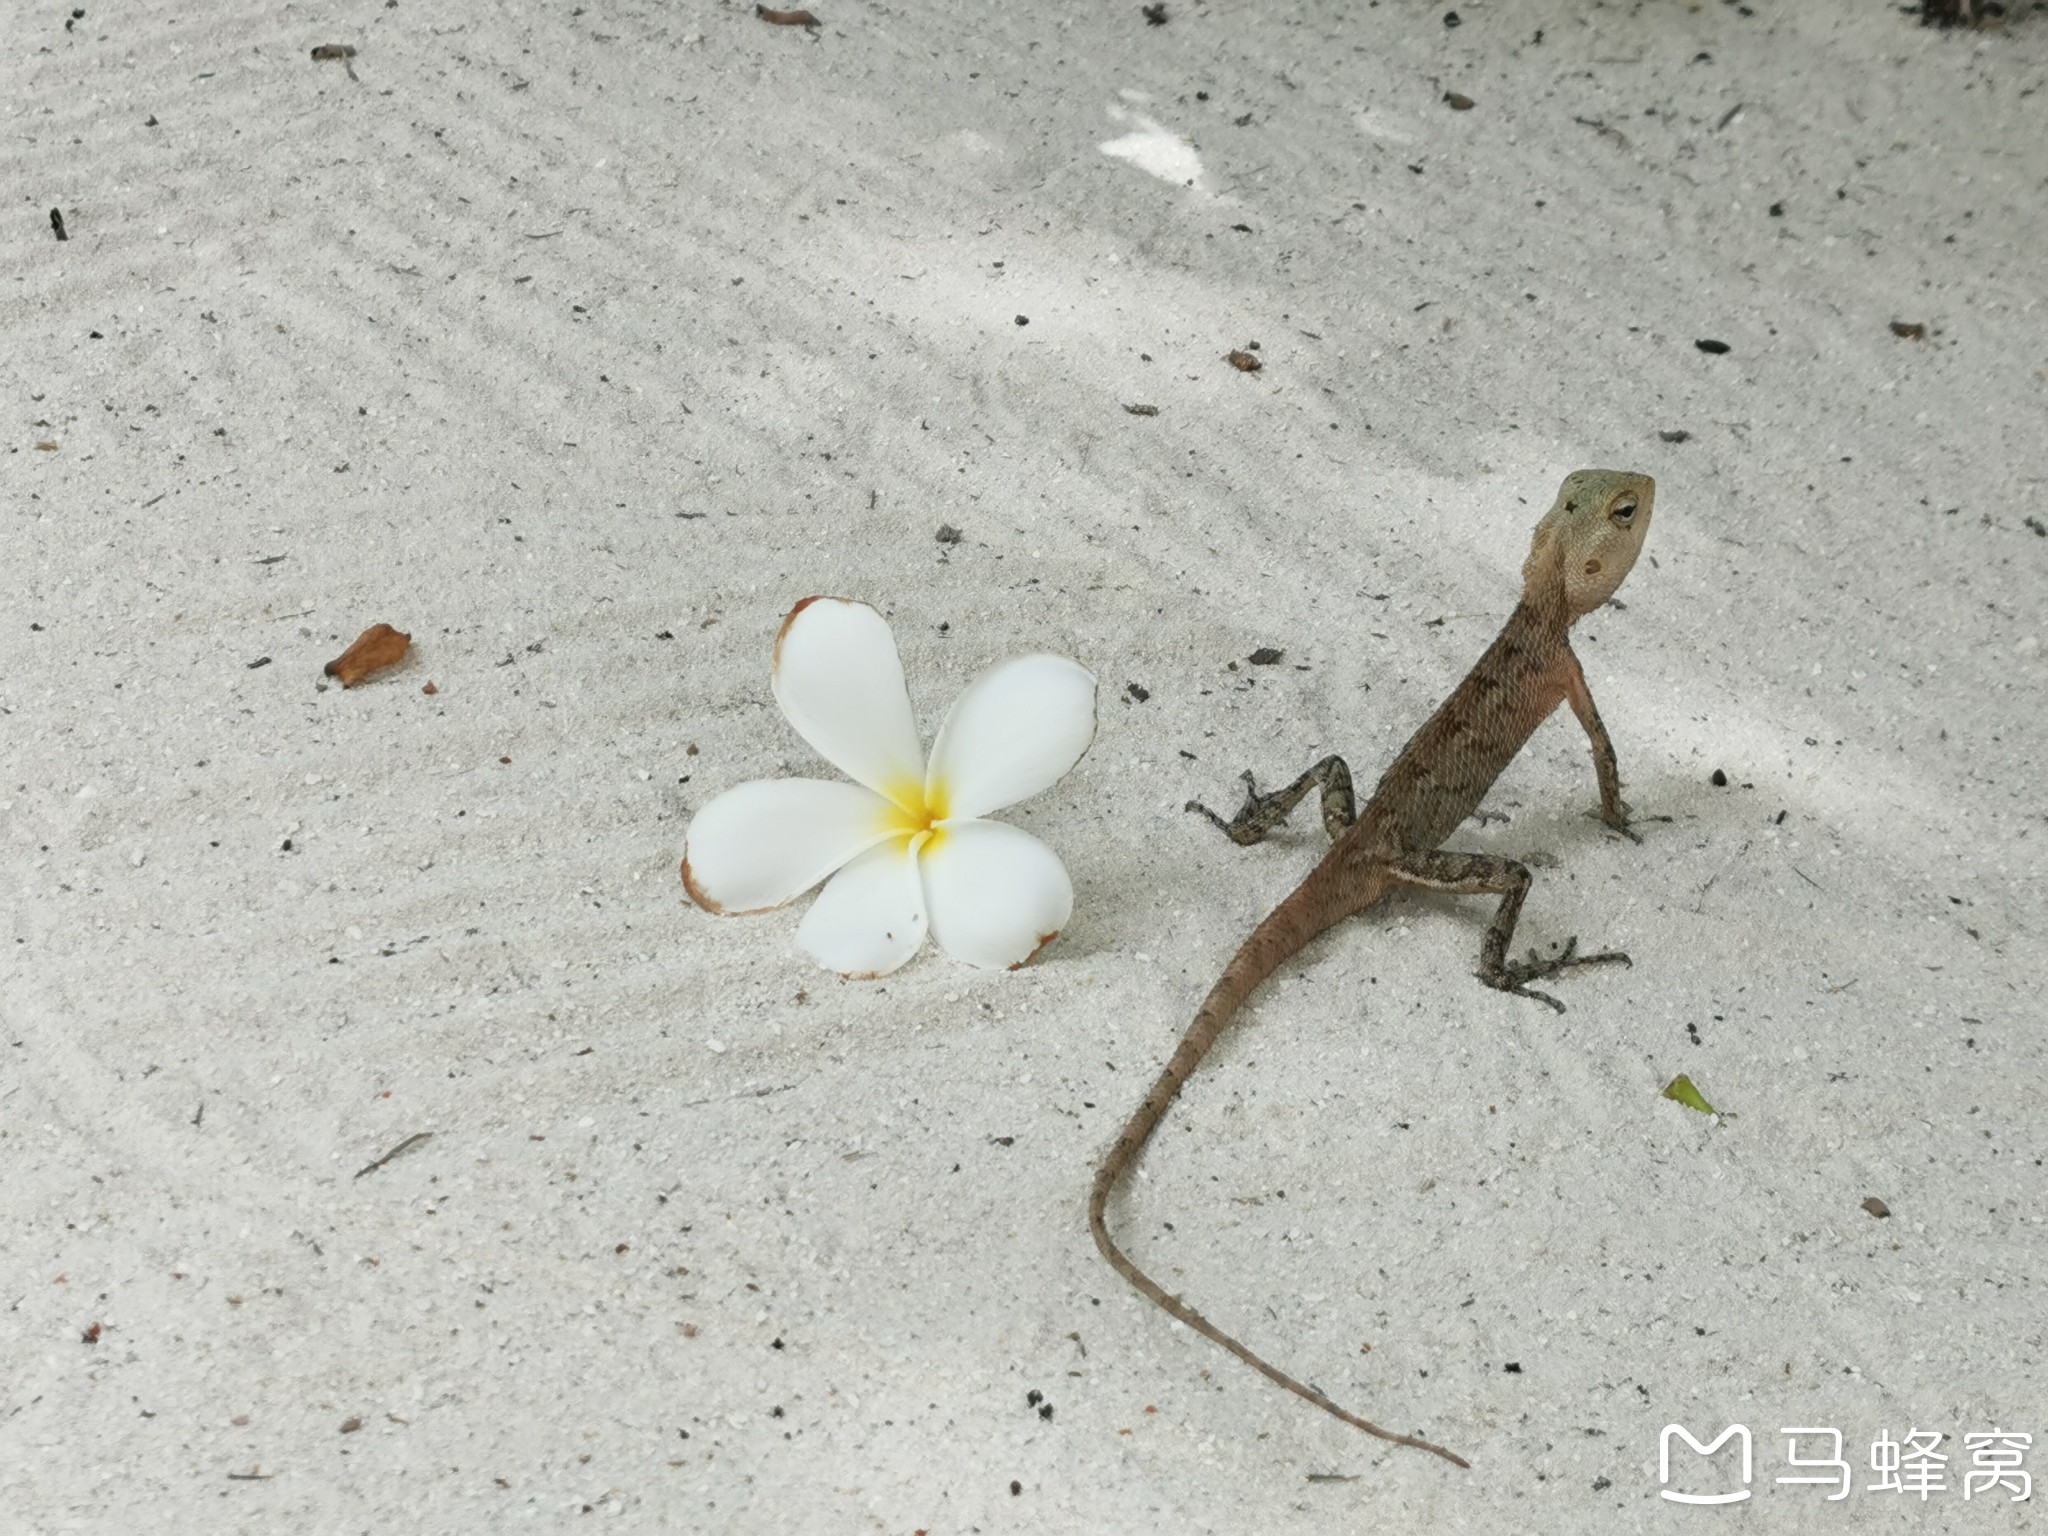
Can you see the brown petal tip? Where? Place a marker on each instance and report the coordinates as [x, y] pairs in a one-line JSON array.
[[697, 892], [819, 597], [1043, 940]]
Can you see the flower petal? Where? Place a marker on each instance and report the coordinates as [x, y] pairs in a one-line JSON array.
[[1015, 731], [998, 895], [840, 682], [759, 844], [870, 917]]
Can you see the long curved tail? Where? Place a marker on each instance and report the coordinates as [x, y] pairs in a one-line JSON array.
[[1284, 932]]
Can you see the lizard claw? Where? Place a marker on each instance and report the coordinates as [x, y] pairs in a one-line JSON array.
[[1516, 977], [1624, 821], [1255, 818], [1506, 983]]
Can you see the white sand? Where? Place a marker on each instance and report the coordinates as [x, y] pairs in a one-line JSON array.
[[560, 331]]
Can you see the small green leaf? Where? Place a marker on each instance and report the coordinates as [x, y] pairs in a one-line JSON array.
[[1681, 1090]]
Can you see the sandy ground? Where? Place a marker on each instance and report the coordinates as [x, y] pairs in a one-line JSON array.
[[582, 342]]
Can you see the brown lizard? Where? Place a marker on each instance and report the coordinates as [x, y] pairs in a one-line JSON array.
[[1582, 549]]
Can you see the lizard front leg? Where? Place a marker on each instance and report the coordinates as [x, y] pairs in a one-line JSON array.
[[1260, 814], [1484, 874], [1613, 809]]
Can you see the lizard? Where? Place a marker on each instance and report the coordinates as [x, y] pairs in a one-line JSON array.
[[1582, 549]]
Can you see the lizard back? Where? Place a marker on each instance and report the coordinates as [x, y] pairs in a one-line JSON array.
[[1450, 763]]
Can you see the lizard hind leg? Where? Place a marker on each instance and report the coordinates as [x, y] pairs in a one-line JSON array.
[[1260, 814], [1482, 874]]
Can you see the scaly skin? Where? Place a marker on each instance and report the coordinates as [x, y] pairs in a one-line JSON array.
[[1582, 549]]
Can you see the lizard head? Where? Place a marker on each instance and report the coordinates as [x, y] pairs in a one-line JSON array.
[[1589, 540]]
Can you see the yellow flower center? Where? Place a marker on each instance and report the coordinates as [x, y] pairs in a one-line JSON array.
[[914, 813]]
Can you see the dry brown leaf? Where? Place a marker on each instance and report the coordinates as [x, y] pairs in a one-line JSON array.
[[376, 648]]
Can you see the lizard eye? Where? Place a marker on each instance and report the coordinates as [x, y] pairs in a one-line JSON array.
[[1624, 511]]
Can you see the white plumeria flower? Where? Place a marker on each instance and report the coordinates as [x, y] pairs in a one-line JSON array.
[[905, 844]]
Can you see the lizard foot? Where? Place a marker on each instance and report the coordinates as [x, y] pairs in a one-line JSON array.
[[1258, 815], [1625, 823], [1515, 977]]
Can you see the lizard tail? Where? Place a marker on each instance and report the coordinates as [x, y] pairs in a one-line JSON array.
[[1278, 937]]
